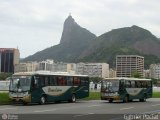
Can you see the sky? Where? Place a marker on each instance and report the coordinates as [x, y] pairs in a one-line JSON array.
[[34, 25]]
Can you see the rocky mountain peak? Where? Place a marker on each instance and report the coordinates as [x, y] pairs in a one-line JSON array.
[[69, 21], [67, 29]]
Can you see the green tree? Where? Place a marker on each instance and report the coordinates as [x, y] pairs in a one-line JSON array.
[[154, 81], [3, 76], [135, 74]]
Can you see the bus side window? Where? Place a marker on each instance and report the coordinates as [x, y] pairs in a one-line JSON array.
[[69, 81], [149, 84], [48, 78], [144, 84], [83, 81], [41, 81], [34, 82], [128, 84], [53, 81], [61, 81], [76, 81], [137, 84], [132, 84], [37, 81], [46, 81]]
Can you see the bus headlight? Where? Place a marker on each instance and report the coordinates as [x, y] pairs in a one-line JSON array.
[[25, 93], [116, 93]]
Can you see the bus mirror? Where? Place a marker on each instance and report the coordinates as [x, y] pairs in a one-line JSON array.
[[17, 82], [35, 82]]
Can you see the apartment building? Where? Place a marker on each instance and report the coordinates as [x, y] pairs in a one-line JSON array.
[[155, 71], [127, 64], [26, 67], [93, 69]]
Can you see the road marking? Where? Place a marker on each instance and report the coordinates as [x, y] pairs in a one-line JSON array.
[[94, 105], [155, 105], [149, 112], [8, 108], [126, 108], [83, 115], [45, 110]]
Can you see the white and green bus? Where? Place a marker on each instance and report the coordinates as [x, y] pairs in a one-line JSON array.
[[41, 87], [126, 89]]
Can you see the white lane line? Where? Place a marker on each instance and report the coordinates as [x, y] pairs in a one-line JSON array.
[[94, 105], [126, 108], [155, 105], [83, 115], [44, 110], [7, 108]]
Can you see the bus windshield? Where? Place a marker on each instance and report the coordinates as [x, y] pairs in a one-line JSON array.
[[20, 83], [110, 85]]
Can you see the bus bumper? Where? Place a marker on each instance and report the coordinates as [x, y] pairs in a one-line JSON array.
[[110, 97], [24, 99]]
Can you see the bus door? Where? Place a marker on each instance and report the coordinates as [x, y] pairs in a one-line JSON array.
[[36, 89]]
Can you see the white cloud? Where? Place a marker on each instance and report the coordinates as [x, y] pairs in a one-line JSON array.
[[34, 25]]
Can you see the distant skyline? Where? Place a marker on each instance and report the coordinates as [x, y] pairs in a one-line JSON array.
[[33, 25]]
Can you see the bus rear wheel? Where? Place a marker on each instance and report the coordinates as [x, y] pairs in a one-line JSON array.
[[110, 100], [143, 99], [42, 100], [73, 98]]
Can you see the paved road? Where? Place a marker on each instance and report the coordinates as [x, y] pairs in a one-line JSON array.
[[84, 109]]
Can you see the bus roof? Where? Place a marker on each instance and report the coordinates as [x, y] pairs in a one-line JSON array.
[[125, 78], [48, 73]]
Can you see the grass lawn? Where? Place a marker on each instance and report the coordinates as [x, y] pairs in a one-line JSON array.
[[4, 98], [156, 95], [93, 96]]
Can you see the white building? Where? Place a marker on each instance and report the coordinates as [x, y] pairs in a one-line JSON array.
[[46, 65], [93, 69], [112, 73], [90, 69], [71, 67], [21, 67], [146, 74], [155, 71], [26, 67], [94, 86], [59, 67]]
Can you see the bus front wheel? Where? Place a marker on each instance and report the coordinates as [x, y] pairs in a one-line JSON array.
[[25, 103], [126, 99], [42, 100], [110, 100]]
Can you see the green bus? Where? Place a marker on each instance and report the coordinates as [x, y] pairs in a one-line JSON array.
[[42, 86], [126, 89]]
